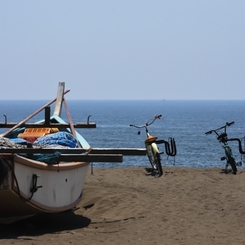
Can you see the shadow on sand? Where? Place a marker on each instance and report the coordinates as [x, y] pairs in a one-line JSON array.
[[43, 223]]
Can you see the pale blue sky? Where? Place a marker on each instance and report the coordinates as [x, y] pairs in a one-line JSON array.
[[128, 49]]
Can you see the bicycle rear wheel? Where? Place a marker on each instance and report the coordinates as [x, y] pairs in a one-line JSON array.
[[232, 162]]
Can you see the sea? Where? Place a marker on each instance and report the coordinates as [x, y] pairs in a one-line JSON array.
[[184, 120]]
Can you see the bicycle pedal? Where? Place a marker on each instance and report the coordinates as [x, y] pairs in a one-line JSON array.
[[149, 170], [161, 152]]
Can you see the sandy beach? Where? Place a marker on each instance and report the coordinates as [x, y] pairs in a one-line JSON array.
[[125, 206]]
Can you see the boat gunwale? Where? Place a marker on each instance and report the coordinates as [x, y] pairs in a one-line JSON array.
[[61, 166]]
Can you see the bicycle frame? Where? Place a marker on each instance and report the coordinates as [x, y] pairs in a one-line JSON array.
[[223, 140], [228, 151], [150, 143]]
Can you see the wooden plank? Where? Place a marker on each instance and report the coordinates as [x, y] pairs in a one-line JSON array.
[[81, 157], [42, 150], [85, 125], [123, 151], [9, 151], [53, 125], [91, 157]]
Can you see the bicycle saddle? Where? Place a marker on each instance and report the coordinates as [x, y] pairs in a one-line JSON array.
[[151, 139]]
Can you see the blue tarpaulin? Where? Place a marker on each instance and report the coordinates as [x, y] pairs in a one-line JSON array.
[[59, 138]]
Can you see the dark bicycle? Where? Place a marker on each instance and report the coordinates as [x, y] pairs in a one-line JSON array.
[[152, 150], [223, 140]]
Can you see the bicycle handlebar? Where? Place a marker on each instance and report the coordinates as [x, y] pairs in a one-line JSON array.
[[148, 123], [215, 130], [229, 124], [158, 116]]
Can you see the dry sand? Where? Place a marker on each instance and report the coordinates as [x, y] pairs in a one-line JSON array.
[[125, 206]]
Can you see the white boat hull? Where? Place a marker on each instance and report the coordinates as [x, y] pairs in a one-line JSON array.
[[58, 187]]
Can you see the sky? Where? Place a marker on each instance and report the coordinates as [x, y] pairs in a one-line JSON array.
[[125, 50]]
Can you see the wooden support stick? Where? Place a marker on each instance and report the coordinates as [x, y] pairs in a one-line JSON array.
[[69, 118]]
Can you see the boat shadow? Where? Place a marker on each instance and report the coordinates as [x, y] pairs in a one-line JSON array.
[[43, 223]]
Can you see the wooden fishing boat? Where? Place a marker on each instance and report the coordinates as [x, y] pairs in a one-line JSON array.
[[43, 165]]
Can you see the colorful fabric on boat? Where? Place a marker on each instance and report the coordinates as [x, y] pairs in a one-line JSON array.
[[47, 158], [59, 138]]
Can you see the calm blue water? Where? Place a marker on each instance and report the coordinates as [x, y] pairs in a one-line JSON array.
[[186, 121]]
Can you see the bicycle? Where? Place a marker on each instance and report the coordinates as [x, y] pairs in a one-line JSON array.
[[223, 140], [152, 150]]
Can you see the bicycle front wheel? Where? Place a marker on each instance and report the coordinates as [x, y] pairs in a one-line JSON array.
[[154, 158], [158, 163]]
